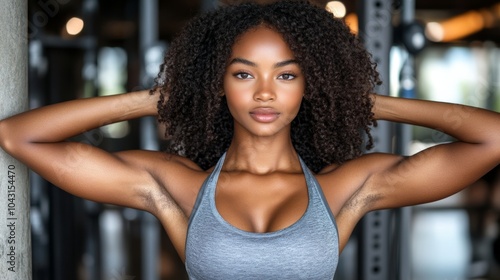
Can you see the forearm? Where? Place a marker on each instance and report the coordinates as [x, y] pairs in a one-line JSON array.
[[467, 124], [60, 121]]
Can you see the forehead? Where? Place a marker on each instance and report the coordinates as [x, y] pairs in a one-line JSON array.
[[260, 40]]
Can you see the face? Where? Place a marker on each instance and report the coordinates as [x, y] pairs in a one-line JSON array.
[[263, 84]]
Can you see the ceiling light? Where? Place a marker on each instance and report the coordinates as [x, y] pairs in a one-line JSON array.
[[74, 26], [337, 8]]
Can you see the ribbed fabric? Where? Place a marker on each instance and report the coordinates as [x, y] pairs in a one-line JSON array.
[[215, 249]]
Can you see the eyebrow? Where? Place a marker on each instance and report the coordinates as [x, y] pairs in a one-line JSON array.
[[253, 64]]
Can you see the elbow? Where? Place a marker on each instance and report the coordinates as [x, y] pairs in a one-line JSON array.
[[491, 141], [495, 144], [7, 141], [494, 147]]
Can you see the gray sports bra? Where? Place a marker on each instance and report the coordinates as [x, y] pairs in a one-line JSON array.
[[308, 249]]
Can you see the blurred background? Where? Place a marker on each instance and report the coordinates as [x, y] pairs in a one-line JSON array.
[[445, 50]]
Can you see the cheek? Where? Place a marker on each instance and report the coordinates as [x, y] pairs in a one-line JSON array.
[[296, 96], [233, 88], [238, 95], [296, 105], [297, 101], [235, 102]]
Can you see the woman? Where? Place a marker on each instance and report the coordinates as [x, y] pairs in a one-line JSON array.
[[252, 97]]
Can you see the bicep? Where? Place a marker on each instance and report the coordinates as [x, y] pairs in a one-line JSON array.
[[89, 172], [431, 174]]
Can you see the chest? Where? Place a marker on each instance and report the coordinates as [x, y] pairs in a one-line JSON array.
[[261, 203], [305, 249]]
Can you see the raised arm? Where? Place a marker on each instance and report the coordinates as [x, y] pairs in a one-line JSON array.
[[37, 138], [439, 171]]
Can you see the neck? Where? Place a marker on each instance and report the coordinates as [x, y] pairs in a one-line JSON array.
[[262, 155]]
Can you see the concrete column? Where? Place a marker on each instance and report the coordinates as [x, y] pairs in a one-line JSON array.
[[15, 237]]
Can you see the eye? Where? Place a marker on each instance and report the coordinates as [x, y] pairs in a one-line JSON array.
[[286, 76], [243, 75]]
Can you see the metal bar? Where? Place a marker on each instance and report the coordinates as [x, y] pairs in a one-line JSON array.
[[15, 235], [148, 28], [375, 29], [92, 243], [402, 260], [150, 229]]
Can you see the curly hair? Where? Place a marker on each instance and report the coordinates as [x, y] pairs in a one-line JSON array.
[[335, 113]]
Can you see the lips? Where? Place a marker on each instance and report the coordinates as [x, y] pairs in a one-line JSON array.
[[264, 114]]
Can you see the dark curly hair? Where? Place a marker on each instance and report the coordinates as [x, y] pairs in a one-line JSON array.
[[336, 110]]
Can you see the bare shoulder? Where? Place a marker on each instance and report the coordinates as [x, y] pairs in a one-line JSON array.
[[349, 190], [343, 184], [178, 178]]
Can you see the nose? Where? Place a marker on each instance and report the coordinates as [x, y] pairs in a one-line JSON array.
[[265, 91]]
